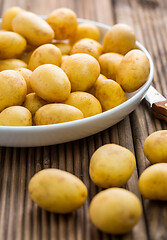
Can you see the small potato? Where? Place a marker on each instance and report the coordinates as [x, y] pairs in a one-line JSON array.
[[133, 70], [33, 102], [45, 54], [85, 102], [63, 58], [26, 73], [111, 166], [15, 116], [82, 71], [50, 83], [8, 17], [13, 88], [92, 90], [12, 64], [110, 94], [119, 39], [56, 113], [86, 30], [115, 210], [64, 23], [57, 191], [109, 63], [153, 182], [155, 147], [36, 30], [11, 44], [65, 48], [88, 46]]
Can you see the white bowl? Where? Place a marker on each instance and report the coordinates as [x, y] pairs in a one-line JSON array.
[[64, 132]]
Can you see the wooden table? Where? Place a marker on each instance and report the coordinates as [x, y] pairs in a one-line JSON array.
[[20, 219]]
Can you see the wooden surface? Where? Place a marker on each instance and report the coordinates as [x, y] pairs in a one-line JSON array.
[[20, 219]]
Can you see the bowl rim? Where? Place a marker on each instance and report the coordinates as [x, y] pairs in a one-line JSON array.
[[129, 101]]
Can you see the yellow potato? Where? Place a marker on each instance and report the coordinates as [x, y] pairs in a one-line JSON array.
[[86, 30], [88, 46], [36, 30], [26, 56], [63, 58], [13, 88], [119, 39], [45, 54], [8, 17], [65, 48], [115, 210], [85, 102], [155, 147], [56, 113], [109, 93], [57, 191], [92, 90], [50, 83], [33, 102], [12, 64], [64, 23], [82, 71], [153, 182], [11, 44], [15, 116], [133, 70], [109, 63], [111, 166], [26, 73]]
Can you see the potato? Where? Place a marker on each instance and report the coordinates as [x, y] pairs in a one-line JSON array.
[[155, 147], [56, 113], [36, 30], [92, 90], [110, 94], [13, 88], [115, 210], [33, 102], [63, 58], [26, 55], [26, 73], [11, 44], [85, 102], [88, 46], [119, 39], [12, 64], [8, 17], [65, 48], [57, 191], [111, 166], [82, 71], [64, 23], [153, 182], [86, 30], [45, 54], [109, 63], [15, 116], [133, 70], [50, 83]]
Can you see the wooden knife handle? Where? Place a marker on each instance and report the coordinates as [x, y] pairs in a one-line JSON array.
[[159, 110]]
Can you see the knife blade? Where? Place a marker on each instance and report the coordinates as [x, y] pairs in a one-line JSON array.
[[157, 102]]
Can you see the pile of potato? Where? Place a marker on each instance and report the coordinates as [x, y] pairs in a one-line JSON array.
[[55, 70]]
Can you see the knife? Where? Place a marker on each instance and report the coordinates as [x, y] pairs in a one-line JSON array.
[[157, 102]]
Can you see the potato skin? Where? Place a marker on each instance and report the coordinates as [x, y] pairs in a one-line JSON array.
[[12, 64], [26, 73], [56, 113], [111, 166], [133, 70], [153, 182], [92, 90], [36, 30], [155, 147], [119, 39], [12, 44], [50, 83], [13, 88], [87, 103], [57, 191], [15, 116], [115, 210]]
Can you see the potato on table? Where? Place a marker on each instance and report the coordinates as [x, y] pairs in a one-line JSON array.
[[12, 64]]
